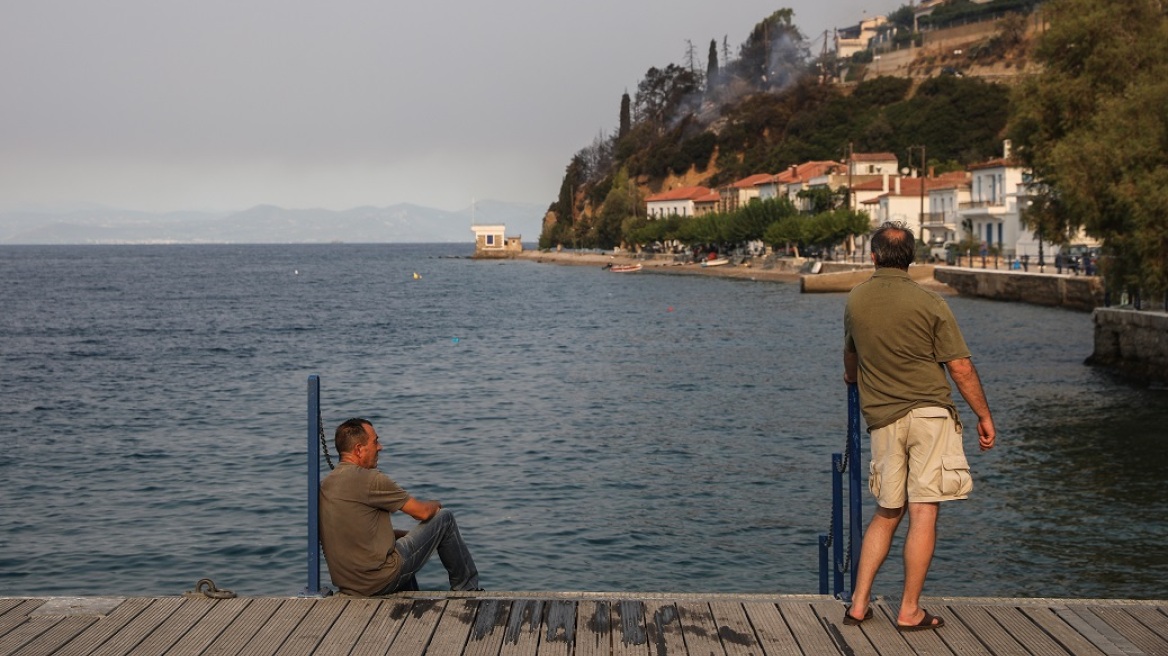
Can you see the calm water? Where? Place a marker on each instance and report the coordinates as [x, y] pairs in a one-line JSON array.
[[591, 431]]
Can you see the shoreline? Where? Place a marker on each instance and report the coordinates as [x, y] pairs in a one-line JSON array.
[[786, 270]]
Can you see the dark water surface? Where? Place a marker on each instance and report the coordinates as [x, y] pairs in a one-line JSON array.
[[591, 431]]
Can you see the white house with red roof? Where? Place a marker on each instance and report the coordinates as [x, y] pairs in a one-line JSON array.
[[905, 200], [863, 164], [992, 212], [741, 192], [682, 201]]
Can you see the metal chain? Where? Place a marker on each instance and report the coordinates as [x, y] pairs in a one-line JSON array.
[[206, 588], [323, 442]]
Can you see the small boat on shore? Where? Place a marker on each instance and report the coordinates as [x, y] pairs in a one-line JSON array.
[[623, 268], [721, 261]]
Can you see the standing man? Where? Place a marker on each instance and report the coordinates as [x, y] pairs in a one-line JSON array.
[[365, 555], [899, 340]]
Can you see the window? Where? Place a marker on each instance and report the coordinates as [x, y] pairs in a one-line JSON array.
[[490, 240]]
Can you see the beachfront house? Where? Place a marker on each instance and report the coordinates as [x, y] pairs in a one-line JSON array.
[[683, 201], [942, 225], [991, 214], [741, 192], [491, 241]]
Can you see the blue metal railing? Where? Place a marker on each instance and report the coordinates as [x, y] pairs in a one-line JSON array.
[[313, 589], [833, 562]]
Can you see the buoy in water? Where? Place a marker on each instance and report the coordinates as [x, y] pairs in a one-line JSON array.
[[416, 276]]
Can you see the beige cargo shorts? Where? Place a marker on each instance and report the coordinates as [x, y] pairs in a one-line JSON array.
[[919, 458]]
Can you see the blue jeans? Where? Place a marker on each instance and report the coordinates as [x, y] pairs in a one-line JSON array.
[[439, 533]]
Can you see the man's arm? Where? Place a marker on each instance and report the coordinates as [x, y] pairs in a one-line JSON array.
[[851, 366], [964, 375], [421, 510]]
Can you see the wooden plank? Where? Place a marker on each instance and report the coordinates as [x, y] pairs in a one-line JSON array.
[[62, 631], [1095, 631], [245, 625], [1138, 634], [928, 642], [559, 632], [629, 638], [853, 639], [221, 614], [698, 629], [140, 627], [987, 630], [808, 631], [308, 632], [663, 628], [738, 638], [486, 636], [956, 633], [387, 621], [453, 629], [351, 623], [594, 628], [1025, 631], [520, 641], [418, 627], [277, 628], [1156, 619], [182, 620], [1061, 632], [105, 628], [8, 603], [772, 631], [17, 614], [25, 632]]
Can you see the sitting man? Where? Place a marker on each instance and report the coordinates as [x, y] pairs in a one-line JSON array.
[[365, 555]]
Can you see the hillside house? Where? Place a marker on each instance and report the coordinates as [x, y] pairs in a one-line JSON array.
[[855, 38]]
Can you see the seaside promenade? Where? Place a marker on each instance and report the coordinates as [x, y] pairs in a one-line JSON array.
[[570, 624]]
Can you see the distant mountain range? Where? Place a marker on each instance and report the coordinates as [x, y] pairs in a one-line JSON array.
[[267, 224]]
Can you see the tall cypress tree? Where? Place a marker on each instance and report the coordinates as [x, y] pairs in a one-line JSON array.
[[625, 120], [711, 67]]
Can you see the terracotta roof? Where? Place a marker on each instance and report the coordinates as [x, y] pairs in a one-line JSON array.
[[754, 180], [712, 197], [873, 157], [1000, 162], [806, 171], [681, 193]]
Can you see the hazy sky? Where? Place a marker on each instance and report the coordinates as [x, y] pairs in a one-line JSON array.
[[223, 104]]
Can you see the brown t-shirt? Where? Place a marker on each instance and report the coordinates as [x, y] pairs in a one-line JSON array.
[[903, 334], [355, 530]]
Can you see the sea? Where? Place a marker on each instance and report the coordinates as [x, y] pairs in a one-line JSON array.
[[590, 431]]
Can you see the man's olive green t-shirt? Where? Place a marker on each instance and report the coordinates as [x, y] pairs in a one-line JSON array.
[[355, 530], [902, 334]]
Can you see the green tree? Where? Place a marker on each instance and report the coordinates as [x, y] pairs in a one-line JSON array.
[[775, 53], [620, 203], [1094, 131], [626, 122]]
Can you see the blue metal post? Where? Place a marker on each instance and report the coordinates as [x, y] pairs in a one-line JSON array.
[[823, 564], [313, 588], [855, 499], [837, 522]]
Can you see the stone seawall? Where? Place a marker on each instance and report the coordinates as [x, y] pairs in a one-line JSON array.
[[1073, 292], [1131, 342]]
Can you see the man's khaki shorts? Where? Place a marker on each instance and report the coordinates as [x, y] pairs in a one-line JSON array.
[[919, 456]]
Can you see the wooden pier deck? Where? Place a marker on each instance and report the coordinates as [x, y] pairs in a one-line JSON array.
[[569, 624]]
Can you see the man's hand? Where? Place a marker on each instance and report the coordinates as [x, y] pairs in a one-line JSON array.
[[964, 375]]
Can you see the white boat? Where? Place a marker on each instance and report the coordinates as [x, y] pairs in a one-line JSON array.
[[721, 261], [623, 268]]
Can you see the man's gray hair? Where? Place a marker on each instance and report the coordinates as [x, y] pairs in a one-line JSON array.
[[893, 245]]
